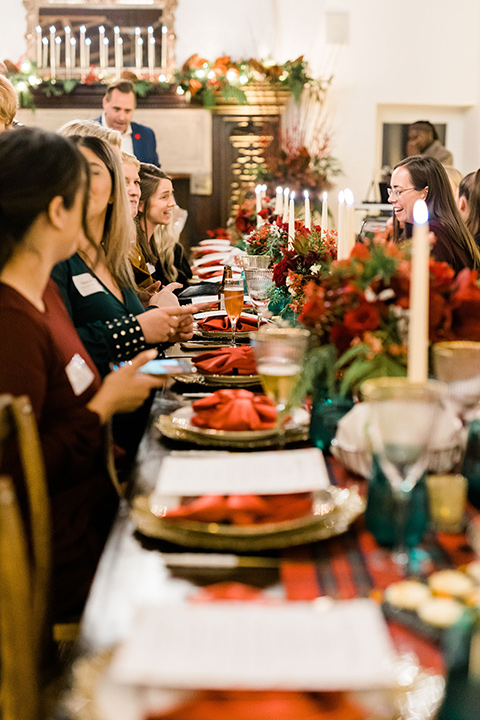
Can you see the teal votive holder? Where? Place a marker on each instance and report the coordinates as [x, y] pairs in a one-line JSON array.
[[326, 414], [379, 514]]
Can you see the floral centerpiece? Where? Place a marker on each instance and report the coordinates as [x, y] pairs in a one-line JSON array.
[[306, 260], [358, 315], [297, 167]]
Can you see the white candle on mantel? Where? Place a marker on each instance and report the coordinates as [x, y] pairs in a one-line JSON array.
[[278, 201], [116, 48], [88, 42], [39, 57], [105, 52], [419, 292], [58, 47], [308, 219], [68, 35], [286, 194], [291, 221], [258, 204], [101, 38], [264, 191], [341, 252], [164, 47], [52, 51], [349, 221], [151, 56], [45, 52], [138, 50], [68, 58], [73, 48], [82, 30], [324, 215]]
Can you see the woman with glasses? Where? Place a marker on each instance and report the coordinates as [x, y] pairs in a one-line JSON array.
[[424, 178]]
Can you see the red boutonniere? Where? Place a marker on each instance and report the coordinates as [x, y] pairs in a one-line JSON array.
[[137, 136]]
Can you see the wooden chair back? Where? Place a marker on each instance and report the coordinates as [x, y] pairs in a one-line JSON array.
[[18, 657], [18, 425]]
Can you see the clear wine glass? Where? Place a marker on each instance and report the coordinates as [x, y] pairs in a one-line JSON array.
[[233, 294], [259, 283], [457, 364], [402, 418], [278, 356]]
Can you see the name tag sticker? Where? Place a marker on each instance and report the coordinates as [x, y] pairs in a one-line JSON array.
[[79, 374], [86, 284]]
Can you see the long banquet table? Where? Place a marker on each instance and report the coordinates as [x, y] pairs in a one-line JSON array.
[[135, 571]]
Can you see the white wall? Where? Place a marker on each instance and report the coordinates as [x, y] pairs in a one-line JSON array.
[[404, 59]]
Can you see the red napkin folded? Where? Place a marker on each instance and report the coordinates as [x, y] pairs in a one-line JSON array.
[[243, 509], [226, 361], [233, 591], [234, 410], [264, 705], [223, 324], [209, 275]]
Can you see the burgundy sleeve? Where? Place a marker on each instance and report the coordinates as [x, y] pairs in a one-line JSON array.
[[71, 436]]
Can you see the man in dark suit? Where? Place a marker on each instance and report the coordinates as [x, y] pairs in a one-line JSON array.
[[118, 106]]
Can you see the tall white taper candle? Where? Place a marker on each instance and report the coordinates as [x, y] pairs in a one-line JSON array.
[[419, 292]]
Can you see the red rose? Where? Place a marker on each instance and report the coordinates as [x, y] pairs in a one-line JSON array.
[[280, 272], [466, 306], [137, 136], [364, 317], [341, 337]]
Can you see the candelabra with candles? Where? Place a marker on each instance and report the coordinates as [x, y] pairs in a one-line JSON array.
[[67, 55]]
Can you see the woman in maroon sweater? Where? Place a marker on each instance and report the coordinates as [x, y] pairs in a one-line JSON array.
[[43, 187]]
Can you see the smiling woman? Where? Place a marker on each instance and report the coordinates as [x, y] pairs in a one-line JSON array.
[[424, 178], [155, 235]]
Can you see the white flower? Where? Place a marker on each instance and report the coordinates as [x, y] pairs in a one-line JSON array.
[[315, 269]]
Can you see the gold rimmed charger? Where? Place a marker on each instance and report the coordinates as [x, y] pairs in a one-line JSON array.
[[218, 381], [346, 508], [178, 426]]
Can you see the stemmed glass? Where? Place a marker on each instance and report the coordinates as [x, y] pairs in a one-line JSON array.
[[260, 262], [402, 417], [233, 293], [278, 356], [259, 282], [457, 364]]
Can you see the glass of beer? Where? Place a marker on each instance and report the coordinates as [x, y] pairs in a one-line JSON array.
[[279, 355], [233, 294]]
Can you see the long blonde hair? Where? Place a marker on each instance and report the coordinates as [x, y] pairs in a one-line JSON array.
[[119, 233], [90, 128]]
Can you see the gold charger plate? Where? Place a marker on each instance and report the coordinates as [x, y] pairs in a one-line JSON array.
[[178, 426], [348, 506], [218, 381], [222, 334]]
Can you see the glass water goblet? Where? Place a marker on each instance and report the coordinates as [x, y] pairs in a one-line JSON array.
[[260, 262], [259, 283], [402, 418], [457, 364], [279, 355], [233, 293]]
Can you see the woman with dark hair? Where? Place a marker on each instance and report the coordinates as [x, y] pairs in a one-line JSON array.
[[43, 189], [164, 256], [423, 177], [468, 203]]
